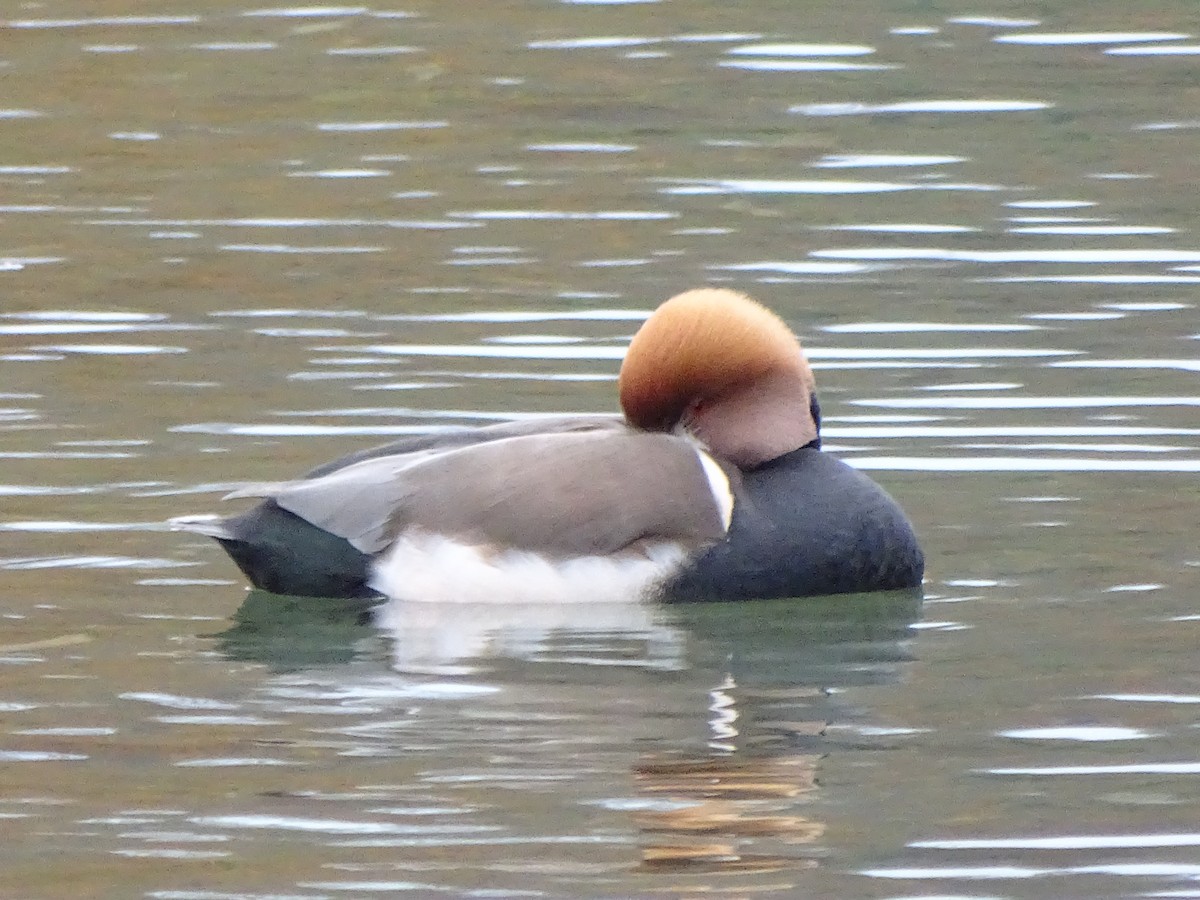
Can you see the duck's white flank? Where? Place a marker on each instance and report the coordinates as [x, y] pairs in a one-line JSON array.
[[433, 568]]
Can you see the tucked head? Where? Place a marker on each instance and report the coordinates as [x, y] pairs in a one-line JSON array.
[[725, 368]]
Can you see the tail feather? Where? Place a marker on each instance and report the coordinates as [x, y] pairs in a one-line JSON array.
[[208, 524]]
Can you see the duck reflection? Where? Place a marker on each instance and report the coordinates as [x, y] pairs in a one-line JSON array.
[[738, 807], [724, 706], [467, 638], [292, 633], [721, 803]]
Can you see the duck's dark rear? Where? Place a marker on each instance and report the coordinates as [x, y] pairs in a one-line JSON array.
[[282, 553]]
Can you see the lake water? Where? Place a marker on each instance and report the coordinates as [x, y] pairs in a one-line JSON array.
[[237, 241]]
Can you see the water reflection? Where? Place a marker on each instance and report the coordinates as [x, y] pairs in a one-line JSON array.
[[1105, 37], [292, 633], [919, 106], [808, 642], [726, 787], [459, 638]]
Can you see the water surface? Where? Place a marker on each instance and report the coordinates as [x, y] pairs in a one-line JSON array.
[[236, 241]]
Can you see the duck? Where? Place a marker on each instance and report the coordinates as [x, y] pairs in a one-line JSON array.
[[711, 485]]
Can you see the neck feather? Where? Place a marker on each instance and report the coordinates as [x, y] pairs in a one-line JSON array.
[[757, 422]]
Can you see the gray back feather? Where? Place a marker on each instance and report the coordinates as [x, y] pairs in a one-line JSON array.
[[595, 491]]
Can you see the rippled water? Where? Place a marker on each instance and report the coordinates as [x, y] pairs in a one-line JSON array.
[[237, 241]]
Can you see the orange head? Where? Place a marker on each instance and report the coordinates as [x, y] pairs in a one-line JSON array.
[[726, 368]]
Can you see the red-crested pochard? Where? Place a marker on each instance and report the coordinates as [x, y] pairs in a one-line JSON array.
[[712, 487]]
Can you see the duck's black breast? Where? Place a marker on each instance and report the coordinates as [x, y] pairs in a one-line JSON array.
[[806, 524]]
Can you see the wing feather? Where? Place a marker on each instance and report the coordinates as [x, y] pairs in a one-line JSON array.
[[563, 493]]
